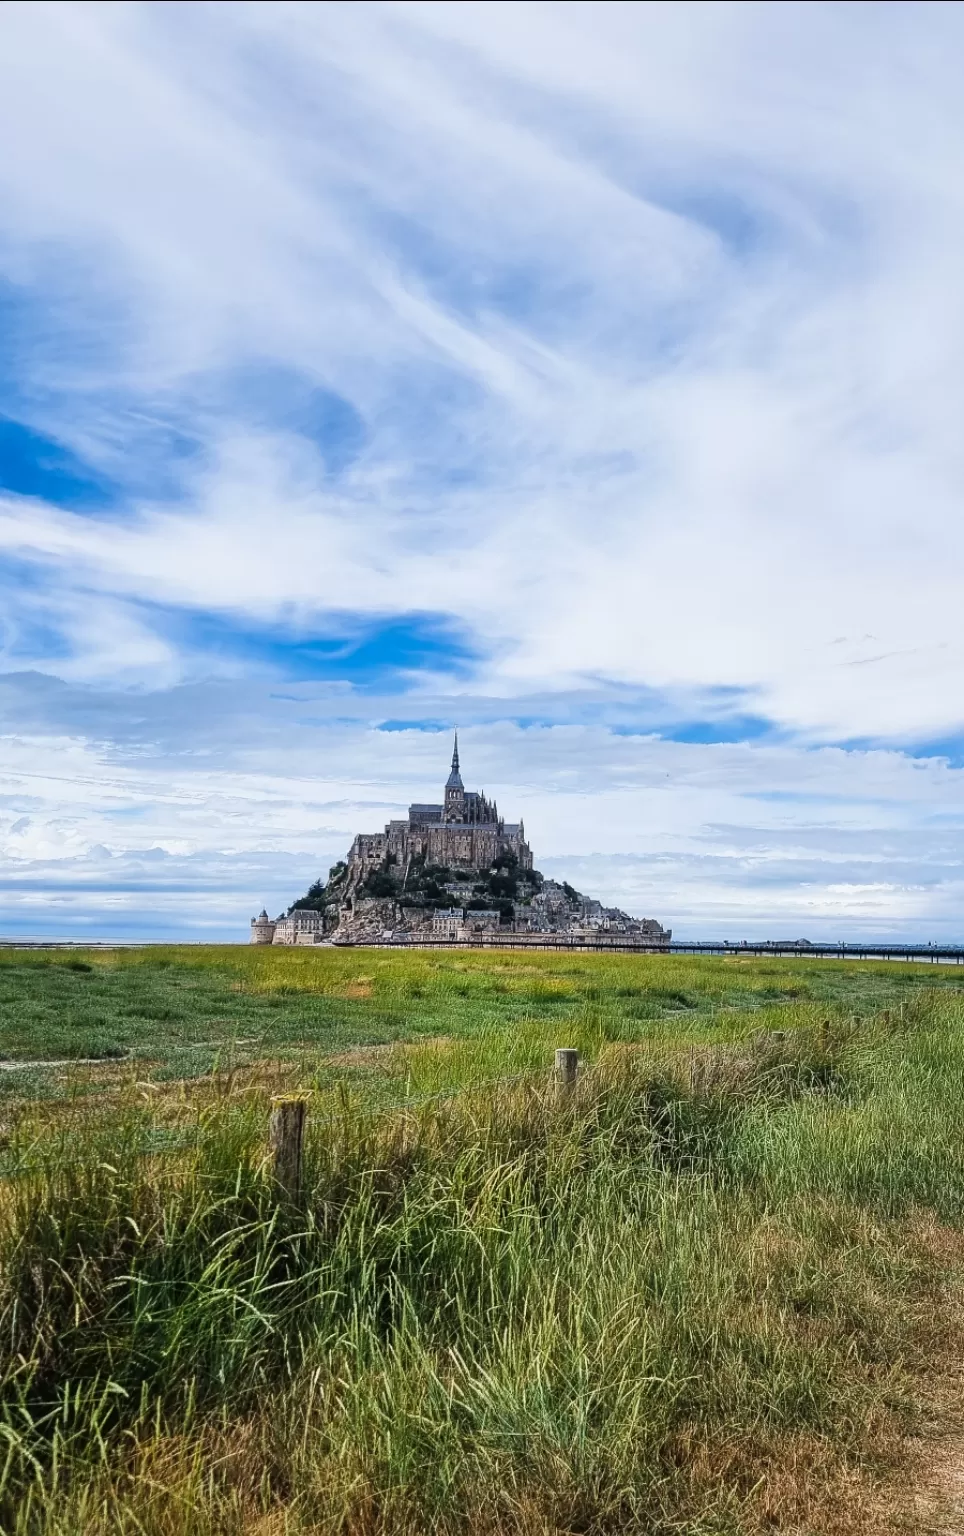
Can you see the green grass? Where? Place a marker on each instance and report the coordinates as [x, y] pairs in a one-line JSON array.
[[701, 1295], [177, 1010]]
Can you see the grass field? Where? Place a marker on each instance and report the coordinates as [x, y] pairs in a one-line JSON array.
[[715, 1290]]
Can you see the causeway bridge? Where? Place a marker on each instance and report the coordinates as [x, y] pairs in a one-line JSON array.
[[936, 954]]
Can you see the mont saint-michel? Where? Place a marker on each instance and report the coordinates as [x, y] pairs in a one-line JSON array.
[[452, 872]]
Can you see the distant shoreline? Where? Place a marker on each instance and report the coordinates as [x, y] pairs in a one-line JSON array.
[[943, 954]]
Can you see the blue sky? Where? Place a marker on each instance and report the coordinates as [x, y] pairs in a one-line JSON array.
[[584, 375]]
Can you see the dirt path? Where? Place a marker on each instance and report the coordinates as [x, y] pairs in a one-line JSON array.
[[68, 1061]]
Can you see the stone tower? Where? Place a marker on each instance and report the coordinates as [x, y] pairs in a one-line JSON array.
[[454, 809], [262, 929]]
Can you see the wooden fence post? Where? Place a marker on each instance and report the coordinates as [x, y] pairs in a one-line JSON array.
[[567, 1067], [286, 1137]]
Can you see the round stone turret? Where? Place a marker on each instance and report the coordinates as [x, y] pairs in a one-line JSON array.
[[262, 928]]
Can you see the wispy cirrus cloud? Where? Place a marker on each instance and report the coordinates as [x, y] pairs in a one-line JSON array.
[[588, 365]]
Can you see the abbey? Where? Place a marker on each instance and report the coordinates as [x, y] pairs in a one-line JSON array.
[[450, 872], [465, 832]]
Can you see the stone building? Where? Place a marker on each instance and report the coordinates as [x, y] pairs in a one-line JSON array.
[[263, 928], [298, 926], [301, 926], [446, 922], [462, 923], [464, 832]]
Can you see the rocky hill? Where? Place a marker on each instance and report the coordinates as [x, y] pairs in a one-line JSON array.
[[454, 903]]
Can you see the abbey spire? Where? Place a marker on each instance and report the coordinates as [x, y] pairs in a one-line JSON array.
[[454, 807], [454, 780]]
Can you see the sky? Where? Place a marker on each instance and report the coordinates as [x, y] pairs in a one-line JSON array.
[[587, 376]]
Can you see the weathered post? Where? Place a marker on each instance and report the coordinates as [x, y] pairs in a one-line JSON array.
[[567, 1068], [286, 1137]]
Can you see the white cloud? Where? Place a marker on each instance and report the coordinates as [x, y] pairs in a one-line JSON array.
[[652, 322], [726, 838]]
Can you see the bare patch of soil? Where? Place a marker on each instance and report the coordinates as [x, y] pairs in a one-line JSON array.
[[358, 990], [936, 1505], [929, 1499], [361, 1055]]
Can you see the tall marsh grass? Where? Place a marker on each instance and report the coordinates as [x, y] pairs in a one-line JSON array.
[[693, 1297]]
